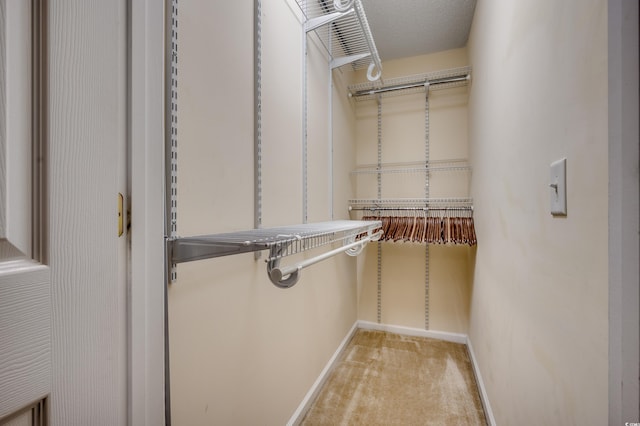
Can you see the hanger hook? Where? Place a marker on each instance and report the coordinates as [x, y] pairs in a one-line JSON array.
[[370, 75]]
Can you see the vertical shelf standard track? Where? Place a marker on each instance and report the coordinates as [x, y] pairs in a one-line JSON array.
[[172, 129], [257, 129], [379, 270], [426, 196], [171, 173]]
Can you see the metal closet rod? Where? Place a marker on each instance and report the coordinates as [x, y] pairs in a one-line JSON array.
[[287, 276], [426, 209], [433, 82]]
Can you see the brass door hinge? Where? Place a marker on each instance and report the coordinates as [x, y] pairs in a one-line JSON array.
[[120, 215]]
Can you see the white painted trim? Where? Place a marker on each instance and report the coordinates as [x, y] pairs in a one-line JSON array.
[[419, 332], [26, 266], [146, 392], [484, 397], [25, 358], [17, 171], [300, 412], [624, 244]]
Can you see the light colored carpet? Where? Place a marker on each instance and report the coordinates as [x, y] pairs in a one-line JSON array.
[[390, 379]]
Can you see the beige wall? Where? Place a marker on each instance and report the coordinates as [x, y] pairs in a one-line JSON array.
[[242, 350], [539, 305], [537, 310], [403, 140]]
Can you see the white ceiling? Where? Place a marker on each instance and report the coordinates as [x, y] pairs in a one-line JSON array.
[[403, 28]]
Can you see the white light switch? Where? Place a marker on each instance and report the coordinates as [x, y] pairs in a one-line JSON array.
[[558, 187]]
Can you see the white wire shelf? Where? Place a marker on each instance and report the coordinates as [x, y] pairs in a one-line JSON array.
[[400, 203], [344, 31], [414, 167], [280, 241]]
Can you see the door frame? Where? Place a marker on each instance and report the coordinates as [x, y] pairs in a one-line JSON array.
[[146, 376], [624, 222], [146, 173]]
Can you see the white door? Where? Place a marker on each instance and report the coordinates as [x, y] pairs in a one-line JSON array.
[[25, 298], [63, 287]]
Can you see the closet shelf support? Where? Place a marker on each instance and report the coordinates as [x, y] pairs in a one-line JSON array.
[[287, 276], [280, 241], [344, 60], [315, 23], [343, 29]]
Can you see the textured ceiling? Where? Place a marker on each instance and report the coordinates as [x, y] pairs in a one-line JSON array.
[[403, 28]]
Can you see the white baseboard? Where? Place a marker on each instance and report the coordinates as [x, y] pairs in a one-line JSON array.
[[300, 412], [298, 415], [419, 332], [483, 391]]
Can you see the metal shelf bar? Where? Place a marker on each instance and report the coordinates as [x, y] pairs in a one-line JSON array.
[[282, 241], [411, 84], [425, 209], [414, 170], [287, 276], [315, 23], [432, 163], [345, 33], [344, 60], [459, 79], [409, 202]]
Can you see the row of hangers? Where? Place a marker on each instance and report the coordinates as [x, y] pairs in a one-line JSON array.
[[446, 229]]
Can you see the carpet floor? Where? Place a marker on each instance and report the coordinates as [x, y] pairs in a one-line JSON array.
[[390, 379]]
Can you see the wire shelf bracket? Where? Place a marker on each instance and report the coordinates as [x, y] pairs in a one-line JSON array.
[[315, 23], [345, 33]]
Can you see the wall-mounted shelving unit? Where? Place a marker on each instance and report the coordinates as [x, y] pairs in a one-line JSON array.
[[405, 204], [447, 178], [388, 191], [444, 79], [413, 167], [283, 241], [344, 31]]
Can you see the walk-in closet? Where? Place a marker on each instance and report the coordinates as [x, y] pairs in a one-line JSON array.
[[319, 212], [323, 197]]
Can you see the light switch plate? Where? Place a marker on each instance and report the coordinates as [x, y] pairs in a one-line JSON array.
[[558, 187]]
